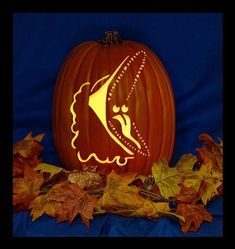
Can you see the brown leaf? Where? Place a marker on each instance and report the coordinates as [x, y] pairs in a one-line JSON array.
[[194, 215], [25, 189], [187, 195], [73, 201], [26, 153], [29, 146], [211, 151]]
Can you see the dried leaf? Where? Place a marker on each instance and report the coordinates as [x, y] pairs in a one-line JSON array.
[[26, 189], [49, 168], [211, 151], [41, 205], [210, 189], [185, 165], [194, 215], [187, 195], [124, 199], [73, 201], [166, 178], [118, 194], [86, 179], [29, 146], [154, 210]]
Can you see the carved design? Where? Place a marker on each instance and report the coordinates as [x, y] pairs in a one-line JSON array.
[[98, 102]]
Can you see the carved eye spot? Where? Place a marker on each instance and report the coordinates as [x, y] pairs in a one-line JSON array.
[[116, 108], [124, 108]]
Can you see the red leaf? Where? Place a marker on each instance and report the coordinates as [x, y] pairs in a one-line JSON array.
[[194, 215], [187, 195], [26, 189], [73, 201]]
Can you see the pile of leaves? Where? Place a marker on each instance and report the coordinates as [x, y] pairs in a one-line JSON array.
[[181, 192]]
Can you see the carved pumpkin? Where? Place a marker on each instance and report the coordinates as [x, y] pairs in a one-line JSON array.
[[113, 107]]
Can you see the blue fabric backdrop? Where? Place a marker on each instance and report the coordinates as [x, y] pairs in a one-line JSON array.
[[190, 45]]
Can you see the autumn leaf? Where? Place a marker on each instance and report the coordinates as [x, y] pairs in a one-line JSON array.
[[118, 193], [185, 164], [211, 151], [73, 201], [194, 215], [41, 205], [187, 195], [154, 210], [26, 188], [121, 198], [210, 189], [49, 168], [26, 153], [86, 179], [166, 178], [29, 146]]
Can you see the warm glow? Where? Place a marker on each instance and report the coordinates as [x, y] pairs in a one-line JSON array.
[[98, 103]]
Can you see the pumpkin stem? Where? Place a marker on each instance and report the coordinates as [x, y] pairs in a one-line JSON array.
[[111, 37]]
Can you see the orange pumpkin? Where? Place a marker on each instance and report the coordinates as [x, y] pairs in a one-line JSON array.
[[113, 106]]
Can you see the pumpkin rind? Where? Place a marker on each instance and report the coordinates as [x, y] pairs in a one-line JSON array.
[[149, 109]]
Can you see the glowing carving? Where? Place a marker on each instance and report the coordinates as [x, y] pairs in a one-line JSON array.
[[125, 122], [116, 108], [98, 101]]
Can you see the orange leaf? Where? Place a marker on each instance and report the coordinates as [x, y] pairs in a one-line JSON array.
[[211, 151], [194, 215], [26, 189], [73, 201], [26, 153], [187, 195], [29, 146]]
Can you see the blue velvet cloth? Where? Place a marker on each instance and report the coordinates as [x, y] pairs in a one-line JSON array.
[[190, 45]]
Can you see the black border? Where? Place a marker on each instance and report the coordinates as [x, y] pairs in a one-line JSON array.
[[7, 8]]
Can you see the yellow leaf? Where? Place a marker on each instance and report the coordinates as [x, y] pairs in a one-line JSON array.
[[155, 210], [211, 189], [117, 194], [41, 205], [185, 165], [49, 168], [166, 178], [193, 181]]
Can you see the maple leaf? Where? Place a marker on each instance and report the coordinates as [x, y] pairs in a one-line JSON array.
[[166, 178], [49, 168], [121, 198], [194, 215], [154, 210], [25, 189], [185, 164], [187, 195], [86, 179], [28, 146], [118, 193], [73, 201], [211, 151], [204, 181], [41, 205], [210, 182], [26, 153], [210, 189]]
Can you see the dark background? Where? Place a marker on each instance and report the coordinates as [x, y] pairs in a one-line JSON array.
[[190, 45]]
